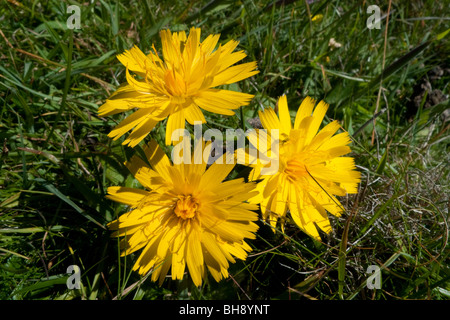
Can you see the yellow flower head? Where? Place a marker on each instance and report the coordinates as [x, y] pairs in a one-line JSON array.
[[311, 169], [317, 17], [186, 217], [178, 85]]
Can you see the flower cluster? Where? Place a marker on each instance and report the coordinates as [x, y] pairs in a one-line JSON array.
[[190, 214]]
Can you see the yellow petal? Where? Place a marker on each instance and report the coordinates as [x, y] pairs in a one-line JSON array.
[[203, 103], [222, 100], [111, 107], [324, 135], [193, 114], [305, 110], [235, 74], [285, 117], [228, 60], [215, 174], [178, 255], [175, 121], [138, 85], [169, 48], [128, 123], [341, 139], [120, 101], [129, 196], [157, 159], [150, 179], [164, 269], [140, 132], [318, 215], [134, 59], [239, 250], [318, 115], [300, 216], [194, 257], [269, 119], [191, 47], [210, 244], [231, 188], [209, 44]]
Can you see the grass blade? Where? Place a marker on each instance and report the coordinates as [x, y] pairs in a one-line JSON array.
[[51, 188]]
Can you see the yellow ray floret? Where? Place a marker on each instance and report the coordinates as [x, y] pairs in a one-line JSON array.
[[311, 171], [177, 85], [186, 218]]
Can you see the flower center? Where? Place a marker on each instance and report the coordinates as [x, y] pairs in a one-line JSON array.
[[295, 169], [186, 207]]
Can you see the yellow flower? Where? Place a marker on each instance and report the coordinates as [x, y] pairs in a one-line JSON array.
[[311, 169], [186, 217], [317, 17], [177, 86]]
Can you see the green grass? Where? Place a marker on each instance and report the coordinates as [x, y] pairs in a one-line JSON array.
[[57, 161]]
